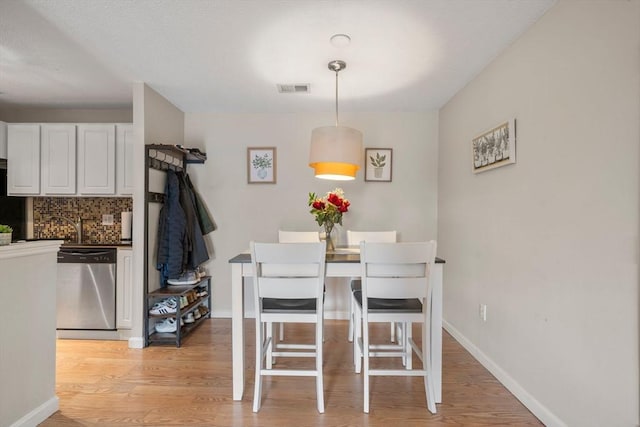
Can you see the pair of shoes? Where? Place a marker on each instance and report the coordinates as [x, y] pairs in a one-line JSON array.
[[166, 306], [203, 310], [192, 296], [202, 292], [167, 325], [188, 277], [189, 318], [183, 301]]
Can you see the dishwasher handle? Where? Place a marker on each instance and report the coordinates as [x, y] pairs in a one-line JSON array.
[[87, 256]]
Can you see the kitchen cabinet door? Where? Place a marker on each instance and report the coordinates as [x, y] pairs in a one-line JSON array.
[[3, 140], [124, 289], [58, 161], [124, 161], [23, 159], [96, 159]]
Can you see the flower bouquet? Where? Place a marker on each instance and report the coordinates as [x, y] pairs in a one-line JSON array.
[[328, 211]]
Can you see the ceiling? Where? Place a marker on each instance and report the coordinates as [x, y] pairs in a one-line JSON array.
[[229, 55]]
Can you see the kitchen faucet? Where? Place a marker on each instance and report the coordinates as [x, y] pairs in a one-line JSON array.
[[77, 225]]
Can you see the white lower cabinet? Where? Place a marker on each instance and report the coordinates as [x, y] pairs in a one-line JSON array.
[[124, 288]]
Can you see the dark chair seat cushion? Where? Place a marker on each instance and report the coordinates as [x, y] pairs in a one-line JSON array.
[[386, 305], [297, 305], [356, 285]]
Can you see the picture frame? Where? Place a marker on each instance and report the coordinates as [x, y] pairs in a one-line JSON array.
[[378, 164], [261, 165], [494, 148]]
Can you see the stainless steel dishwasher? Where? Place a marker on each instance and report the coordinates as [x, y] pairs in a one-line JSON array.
[[86, 289]]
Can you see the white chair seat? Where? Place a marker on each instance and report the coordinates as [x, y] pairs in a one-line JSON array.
[[280, 305], [389, 305]]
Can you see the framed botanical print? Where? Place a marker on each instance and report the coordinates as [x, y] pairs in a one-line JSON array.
[[495, 147], [378, 164], [261, 165]]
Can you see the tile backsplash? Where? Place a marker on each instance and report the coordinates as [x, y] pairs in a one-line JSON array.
[[89, 209]]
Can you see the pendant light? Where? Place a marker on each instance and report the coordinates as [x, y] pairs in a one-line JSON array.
[[336, 151]]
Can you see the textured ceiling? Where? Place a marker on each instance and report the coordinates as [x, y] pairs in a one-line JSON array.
[[229, 55]]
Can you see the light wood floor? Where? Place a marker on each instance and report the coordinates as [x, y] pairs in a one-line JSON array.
[[106, 384]]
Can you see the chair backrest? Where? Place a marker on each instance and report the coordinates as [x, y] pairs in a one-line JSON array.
[[396, 270], [298, 236], [288, 270], [355, 237]]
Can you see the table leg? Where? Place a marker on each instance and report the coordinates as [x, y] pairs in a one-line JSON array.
[[237, 330], [436, 331]]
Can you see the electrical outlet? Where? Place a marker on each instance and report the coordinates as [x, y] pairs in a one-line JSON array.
[[483, 312], [107, 219]]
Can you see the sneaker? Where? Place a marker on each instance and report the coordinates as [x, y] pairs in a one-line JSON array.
[[202, 293], [186, 278], [196, 314], [183, 301], [203, 310], [189, 318], [167, 325], [166, 306]]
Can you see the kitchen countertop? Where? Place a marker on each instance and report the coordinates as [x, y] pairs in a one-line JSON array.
[[82, 245]]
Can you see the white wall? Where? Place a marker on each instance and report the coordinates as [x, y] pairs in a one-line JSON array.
[[155, 121], [550, 244], [256, 211]]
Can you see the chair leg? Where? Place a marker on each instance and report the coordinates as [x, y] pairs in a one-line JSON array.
[[429, 387], [319, 352], [351, 319], [270, 360], [357, 341], [406, 344], [365, 357], [257, 389], [393, 332]]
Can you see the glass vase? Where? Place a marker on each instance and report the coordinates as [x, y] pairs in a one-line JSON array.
[[328, 228]]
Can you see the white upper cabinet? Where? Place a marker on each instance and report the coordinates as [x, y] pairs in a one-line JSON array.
[[96, 159], [23, 159], [58, 145], [124, 162], [3, 140]]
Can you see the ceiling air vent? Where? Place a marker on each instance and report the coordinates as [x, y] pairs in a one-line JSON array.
[[296, 88]]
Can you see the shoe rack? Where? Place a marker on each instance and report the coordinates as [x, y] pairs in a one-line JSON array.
[[196, 297]]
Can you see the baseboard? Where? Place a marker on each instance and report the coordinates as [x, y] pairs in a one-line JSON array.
[[542, 412], [136, 342], [39, 414]]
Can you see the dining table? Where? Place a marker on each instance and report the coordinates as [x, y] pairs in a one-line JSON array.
[[341, 262]]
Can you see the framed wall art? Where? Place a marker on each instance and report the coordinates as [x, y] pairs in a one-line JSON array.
[[495, 147], [378, 164], [261, 165]]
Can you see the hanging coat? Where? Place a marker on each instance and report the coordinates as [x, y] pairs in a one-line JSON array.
[[197, 249], [207, 224], [172, 232]]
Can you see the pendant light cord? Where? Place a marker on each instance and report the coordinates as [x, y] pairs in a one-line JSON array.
[[336, 98]]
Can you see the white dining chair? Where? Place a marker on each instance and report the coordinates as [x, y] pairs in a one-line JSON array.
[[285, 236], [288, 280], [396, 287], [353, 239]]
